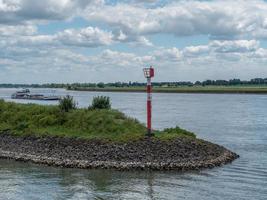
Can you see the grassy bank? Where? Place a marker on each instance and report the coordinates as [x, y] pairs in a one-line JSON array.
[[23, 119], [250, 89]]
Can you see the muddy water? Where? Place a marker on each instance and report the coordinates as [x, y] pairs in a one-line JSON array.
[[239, 122]]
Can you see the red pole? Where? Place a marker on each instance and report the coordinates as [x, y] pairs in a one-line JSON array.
[[149, 107]]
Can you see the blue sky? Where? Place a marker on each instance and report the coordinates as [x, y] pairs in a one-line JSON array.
[[106, 40]]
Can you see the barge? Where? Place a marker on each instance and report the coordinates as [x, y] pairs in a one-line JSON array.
[[25, 94]]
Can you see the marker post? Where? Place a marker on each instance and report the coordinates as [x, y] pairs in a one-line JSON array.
[[149, 73]]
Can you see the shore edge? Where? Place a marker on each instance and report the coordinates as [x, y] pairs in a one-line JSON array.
[[224, 156]]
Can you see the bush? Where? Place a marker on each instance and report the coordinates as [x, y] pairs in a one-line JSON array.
[[67, 103], [48, 121], [1, 104], [21, 126], [100, 102], [178, 131]]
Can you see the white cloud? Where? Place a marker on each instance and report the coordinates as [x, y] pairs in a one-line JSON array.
[[235, 46], [170, 55], [24, 11], [190, 63], [87, 37], [131, 23], [214, 52], [11, 31], [219, 19], [222, 19], [196, 50], [235, 29]]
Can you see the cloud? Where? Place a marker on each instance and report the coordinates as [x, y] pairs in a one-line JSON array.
[[58, 64], [120, 36], [235, 46], [170, 55], [25, 11], [86, 37], [134, 23], [235, 30], [219, 19], [8, 31], [196, 50], [223, 47], [214, 51]]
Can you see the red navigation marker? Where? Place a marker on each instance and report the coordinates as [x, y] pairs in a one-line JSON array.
[[149, 73]]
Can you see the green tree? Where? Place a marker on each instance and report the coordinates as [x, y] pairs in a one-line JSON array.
[[101, 85]]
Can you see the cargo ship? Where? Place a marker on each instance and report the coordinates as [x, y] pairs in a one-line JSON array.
[[26, 94]]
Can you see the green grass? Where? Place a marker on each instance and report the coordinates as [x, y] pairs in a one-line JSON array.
[[256, 89], [111, 125]]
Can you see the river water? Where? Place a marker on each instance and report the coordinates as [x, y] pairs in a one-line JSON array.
[[238, 122]]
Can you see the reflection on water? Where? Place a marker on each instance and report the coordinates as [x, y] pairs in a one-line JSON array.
[[238, 122]]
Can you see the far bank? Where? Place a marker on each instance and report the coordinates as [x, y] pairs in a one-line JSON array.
[[182, 89]]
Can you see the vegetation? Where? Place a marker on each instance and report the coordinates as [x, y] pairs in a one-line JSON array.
[[67, 103], [101, 85], [105, 124], [100, 102], [186, 89], [256, 85], [172, 133]]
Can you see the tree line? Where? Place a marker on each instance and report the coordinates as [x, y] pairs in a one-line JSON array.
[[231, 82]]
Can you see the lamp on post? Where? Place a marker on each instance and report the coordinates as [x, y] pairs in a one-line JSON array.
[[149, 73]]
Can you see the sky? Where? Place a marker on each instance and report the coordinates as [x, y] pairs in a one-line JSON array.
[[66, 41]]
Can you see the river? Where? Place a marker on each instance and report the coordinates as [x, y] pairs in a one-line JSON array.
[[238, 122]]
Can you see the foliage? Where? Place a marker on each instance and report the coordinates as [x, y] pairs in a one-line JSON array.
[[170, 133], [231, 82], [106, 124], [101, 85], [83, 123], [21, 126], [67, 103], [100, 102]]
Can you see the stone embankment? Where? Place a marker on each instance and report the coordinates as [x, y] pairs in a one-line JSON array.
[[179, 154]]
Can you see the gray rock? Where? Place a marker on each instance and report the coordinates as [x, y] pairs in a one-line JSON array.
[[179, 154]]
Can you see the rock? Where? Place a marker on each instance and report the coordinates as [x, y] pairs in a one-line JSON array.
[[179, 154]]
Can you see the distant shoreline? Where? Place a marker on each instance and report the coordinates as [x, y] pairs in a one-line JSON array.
[[211, 89], [201, 90]]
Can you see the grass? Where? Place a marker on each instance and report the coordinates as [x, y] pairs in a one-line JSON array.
[[253, 89], [110, 125]]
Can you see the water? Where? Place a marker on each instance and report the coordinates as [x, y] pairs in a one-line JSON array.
[[238, 122]]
